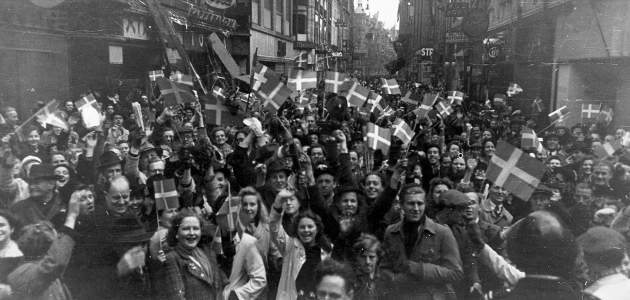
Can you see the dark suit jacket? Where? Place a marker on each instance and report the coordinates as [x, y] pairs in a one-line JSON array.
[[185, 280]]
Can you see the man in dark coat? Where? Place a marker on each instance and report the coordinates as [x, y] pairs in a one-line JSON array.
[[43, 203]]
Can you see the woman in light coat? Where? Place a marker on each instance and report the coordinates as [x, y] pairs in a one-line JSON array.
[[300, 253]]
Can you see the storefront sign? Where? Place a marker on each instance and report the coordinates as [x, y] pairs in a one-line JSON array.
[[457, 9], [456, 37], [341, 24], [493, 47], [216, 4], [337, 54], [211, 17], [425, 53]]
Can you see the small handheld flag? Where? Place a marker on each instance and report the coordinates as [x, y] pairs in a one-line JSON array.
[[166, 195]]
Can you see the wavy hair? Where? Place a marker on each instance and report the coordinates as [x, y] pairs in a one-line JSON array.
[[206, 231], [321, 240], [262, 214]]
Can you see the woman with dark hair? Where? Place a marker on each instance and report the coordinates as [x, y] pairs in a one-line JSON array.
[[10, 254], [487, 150], [191, 269], [46, 255], [301, 253], [436, 187]]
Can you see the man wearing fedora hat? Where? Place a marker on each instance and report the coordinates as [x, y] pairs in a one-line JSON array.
[[43, 203]]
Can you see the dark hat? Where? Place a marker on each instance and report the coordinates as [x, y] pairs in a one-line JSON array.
[[277, 166], [148, 147], [579, 146], [108, 158], [452, 198], [542, 189], [184, 131], [265, 152], [481, 165], [551, 134], [127, 231], [601, 239], [323, 168], [346, 188], [43, 171]]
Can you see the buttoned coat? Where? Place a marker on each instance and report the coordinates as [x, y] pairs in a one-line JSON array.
[[433, 266], [248, 278], [185, 280]]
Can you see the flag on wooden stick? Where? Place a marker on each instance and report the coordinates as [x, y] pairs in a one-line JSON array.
[[402, 131], [378, 137], [166, 195], [51, 115], [559, 114], [87, 100], [514, 89], [605, 114], [514, 170], [175, 93]]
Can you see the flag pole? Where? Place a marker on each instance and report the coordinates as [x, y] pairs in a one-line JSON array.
[[32, 117]]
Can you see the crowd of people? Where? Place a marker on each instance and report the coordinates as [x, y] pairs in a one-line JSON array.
[[320, 214]]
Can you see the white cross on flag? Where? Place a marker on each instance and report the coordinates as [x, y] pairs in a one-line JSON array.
[[558, 114], [390, 86], [179, 77], [274, 93], [513, 89], [427, 104], [306, 99], [301, 61], [175, 93], [499, 100], [445, 109], [334, 82], [154, 75], [388, 112], [227, 215], [219, 92], [605, 114], [166, 195], [302, 80], [514, 170], [218, 114], [529, 139], [412, 98], [378, 137], [50, 114], [262, 75], [455, 97], [607, 149], [537, 106], [590, 111], [375, 104], [402, 131], [357, 94], [85, 101]]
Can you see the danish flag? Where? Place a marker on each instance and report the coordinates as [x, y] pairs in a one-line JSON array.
[[300, 80], [334, 82], [402, 131], [390, 86], [378, 137], [357, 94]]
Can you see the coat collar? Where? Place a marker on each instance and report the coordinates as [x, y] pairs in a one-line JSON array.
[[429, 225], [194, 269]]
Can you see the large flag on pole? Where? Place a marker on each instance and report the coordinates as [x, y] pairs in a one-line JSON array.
[[300, 80], [514, 170], [426, 106], [455, 97], [334, 82], [390, 86], [167, 32], [274, 93], [301, 61], [50, 114], [357, 94], [219, 114], [175, 93]]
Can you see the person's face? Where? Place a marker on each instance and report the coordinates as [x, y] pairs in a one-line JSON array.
[[486, 135], [135, 204], [278, 181], [307, 231], [609, 139], [86, 203], [156, 167], [189, 113], [146, 157], [33, 138], [189, 233], [65, 176], [554, 163], [354, 159], [625, 266], [249, 204], [314, 139], [166, 220], [118, 120], [539, 201], [58, 159], [326, 184], [358, 145], [578, 155], [619, 134], [5, 230], [168, 136], [12, 116], [472, 210], [112, 171], [368, 260], [17, 166], [413, 207], [454, 215], [317, 154], [124, 148], [40, 188], [601, 175], [240, 137], [220, 181], [595, 145], [497, 194], [291, 206], [433, 155], [583, 196], [587, 166], [417, 171], [220, 137], [626, 173], [188, 139], [446, 162], [595, 137], [489, 149], [493, 124], [480, 174], [69, 106], [552, 143], [349, 203], [437, 190], [333, 287], [373, 186], [454, 149], [117, 198], [578, 133], [189, 126], [476, 132], [459, 165], [310, 121]]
